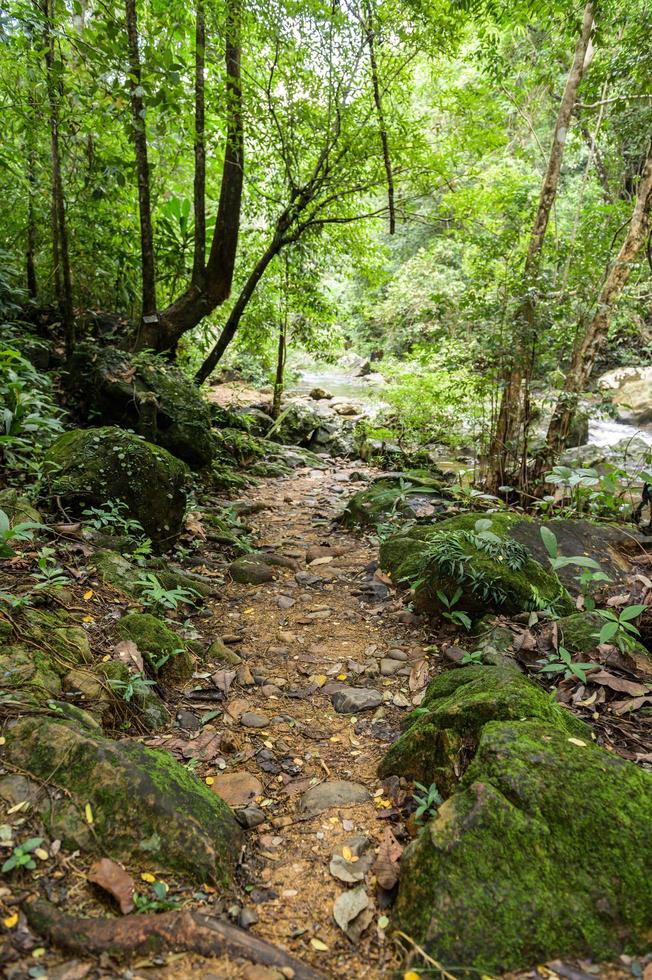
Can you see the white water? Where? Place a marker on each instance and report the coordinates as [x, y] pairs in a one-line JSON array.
[[607, 432]]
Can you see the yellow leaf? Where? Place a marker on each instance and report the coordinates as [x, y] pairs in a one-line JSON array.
[[576, 741], [247, 612], [41, 854], [209, 780], [10, 921], [38, 952], [89, 594], [106, 659], [411, 975], [341, 677], [347, 853], [318, 944], [87, 619], [2, 740], [148, 877], [89, 813]]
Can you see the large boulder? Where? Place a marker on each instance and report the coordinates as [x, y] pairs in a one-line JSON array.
[[544, 853], [89, 467], [144, 393], [442, 735], [479, 555], [631, 392], [143, 805], [411, 494]]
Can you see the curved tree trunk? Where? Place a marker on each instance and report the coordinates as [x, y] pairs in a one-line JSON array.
[[588, 345], [513, 414], [199, 196], [380, 114]]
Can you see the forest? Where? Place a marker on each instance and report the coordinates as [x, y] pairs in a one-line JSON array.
[[326, 489]]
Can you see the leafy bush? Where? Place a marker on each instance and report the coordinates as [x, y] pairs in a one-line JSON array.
[[29, 418]]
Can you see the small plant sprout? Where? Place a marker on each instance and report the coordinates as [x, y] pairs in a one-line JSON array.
[[49, 574], [19, 532], [475, 657], [133, 685], [558, 561], [158, 901], [428, 799], [155, 595], [22, 855], [563, 663], [456, 616], [620, 629]]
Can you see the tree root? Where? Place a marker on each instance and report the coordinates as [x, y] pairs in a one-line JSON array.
[[182, 930]]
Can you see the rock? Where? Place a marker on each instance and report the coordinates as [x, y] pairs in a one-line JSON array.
[[542, 824], [496, 574], [91, 466], [631, 392], [285, 602], [578, 633], [112, 385], [164, 652], [254, 719], [247, 918], [250, 817], [350, 700], [388, 667], [18, 508], [258, 567], [188, 721], [141, 802], [319, 393], [115, 570], [333, 792], [218, 650], [435, 742], [354, 867], [237, 788], [395, 495]]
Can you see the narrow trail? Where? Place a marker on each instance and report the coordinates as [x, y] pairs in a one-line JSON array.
[[321, 627]]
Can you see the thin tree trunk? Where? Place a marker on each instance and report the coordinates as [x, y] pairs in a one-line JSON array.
[[233, 321], [63, 277], [201, 299], [514, 410], [142, 165], [282, 347], [588, 345], [380, 114], [199, 259], [30, 244]]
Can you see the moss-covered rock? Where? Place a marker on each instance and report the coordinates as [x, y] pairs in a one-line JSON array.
[[394, 496], [145, 806], [115, 386], [102, 692], [543, 854], [258, 567], [165, 653], [115, 570], [442, 735], [494, 572], [92, 466], [18, 508]]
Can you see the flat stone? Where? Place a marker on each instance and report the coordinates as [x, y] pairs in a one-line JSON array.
[[397, 654], [350, 700], [334, 792], [285, 602], [389, 667], [250, 816], [188, 721], [237, 788], [252, 719]]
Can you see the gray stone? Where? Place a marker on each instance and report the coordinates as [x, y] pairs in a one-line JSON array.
[[349, 700], [389, 667], [334, 792], [250, 817], [252, 719]]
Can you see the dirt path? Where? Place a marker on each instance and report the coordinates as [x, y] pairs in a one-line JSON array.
[[323, 627]]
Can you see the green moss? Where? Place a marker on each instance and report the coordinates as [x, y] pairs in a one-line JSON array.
[[145, 701], [164, 652], [389, 497], [543, 854], [115, 570], [18, 508], [495, 574], [138, 797], [91, 466], [442, 735]]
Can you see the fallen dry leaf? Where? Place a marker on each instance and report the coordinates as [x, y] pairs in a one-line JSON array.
[[194, 526], [116, 881], [606, 679], [129, 654], [418, 675], [387, 868]]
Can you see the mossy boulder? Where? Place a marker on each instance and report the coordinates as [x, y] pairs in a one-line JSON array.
[[164, 652], [146, 807], [115, 570], [476, 553], [18, 508], [92, 466], [441, 736], [102, 690], [543, 854], [144, 393], [258, 567], [396, 495]]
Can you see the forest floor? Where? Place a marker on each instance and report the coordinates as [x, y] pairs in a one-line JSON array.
[[329, 621]]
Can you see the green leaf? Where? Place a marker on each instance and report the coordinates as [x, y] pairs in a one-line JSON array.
[[632, 612], [549, 541], [608, 632]]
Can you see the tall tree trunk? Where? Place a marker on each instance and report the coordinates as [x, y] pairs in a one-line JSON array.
[[282, 346], [587, 346], [233, 321], [199, 258], [30, 243], [514, 409], [142, 168], [380, 114], [201, 299], [63, 277]]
